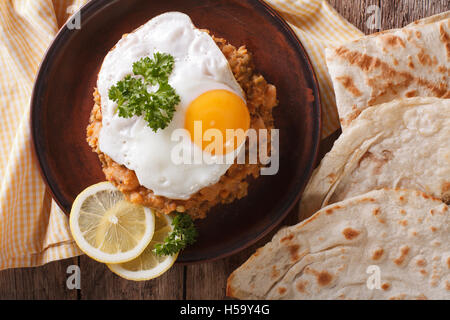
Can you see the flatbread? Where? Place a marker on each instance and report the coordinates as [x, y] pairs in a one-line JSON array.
[[395, 242], [401, 144], [409, 62]]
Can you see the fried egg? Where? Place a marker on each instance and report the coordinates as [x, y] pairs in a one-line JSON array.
[[208, 93]]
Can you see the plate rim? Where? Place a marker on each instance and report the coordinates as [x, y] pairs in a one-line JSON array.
[[95, 5]]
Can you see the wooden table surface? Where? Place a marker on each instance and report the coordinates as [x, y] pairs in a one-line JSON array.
[[200, 281]]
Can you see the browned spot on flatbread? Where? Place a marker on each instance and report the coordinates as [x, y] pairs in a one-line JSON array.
[[293, 251], [301, 286], [421, 263], [401, 296], [423, 272], [331, 177], [378, 162], [444, 70], [365, 62], [424, 58], [448, 263], [350, 233], [392, 41], [421, 297], [403, 222], [287, 238], [412, 93], [324, 278], [377, 254], [444, 37], [281, 290], [424, 195], [445, 187], [403, 253], [385, 286], [331, 209], [402, 211], [433, 229], [348, 84], [274, 273], [447, 285], [409, 34], [418, 34], [410, 62], [440, 90], [376, 211], [355, 114]]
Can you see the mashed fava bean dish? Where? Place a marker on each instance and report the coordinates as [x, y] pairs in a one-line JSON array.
[[128, 134]]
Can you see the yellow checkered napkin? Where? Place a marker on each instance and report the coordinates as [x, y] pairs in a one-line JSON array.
[[33, 230]]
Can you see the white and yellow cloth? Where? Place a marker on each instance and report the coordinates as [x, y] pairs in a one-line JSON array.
[[33, 230]]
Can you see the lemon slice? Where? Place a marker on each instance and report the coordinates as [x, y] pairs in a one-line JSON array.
[[148, 266], [108, 228]]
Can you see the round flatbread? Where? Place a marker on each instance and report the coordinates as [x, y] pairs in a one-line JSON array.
[[392, 64], [401, 144], [386, 244]]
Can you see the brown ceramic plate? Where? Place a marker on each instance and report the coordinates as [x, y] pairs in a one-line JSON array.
[[62, 101]]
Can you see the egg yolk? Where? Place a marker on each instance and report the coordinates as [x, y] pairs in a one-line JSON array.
[[222, 111]]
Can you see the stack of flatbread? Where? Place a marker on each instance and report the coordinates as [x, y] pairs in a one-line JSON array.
[[379, 224]]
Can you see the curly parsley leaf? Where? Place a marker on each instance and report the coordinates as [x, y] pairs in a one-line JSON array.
[[133, 98], [183, 234], [154, 70]]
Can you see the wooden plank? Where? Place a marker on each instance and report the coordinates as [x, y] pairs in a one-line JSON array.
[[397, 14], [46, 282], [394, 14], [98, 282], [356, 12]]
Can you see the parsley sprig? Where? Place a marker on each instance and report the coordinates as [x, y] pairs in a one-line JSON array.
[[183, 234], [133, 98]]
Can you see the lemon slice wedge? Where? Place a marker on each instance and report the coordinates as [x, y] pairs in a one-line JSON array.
[[108, 228], [148, 265]]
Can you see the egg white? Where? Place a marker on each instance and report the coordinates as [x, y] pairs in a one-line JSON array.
[[199, 67]]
